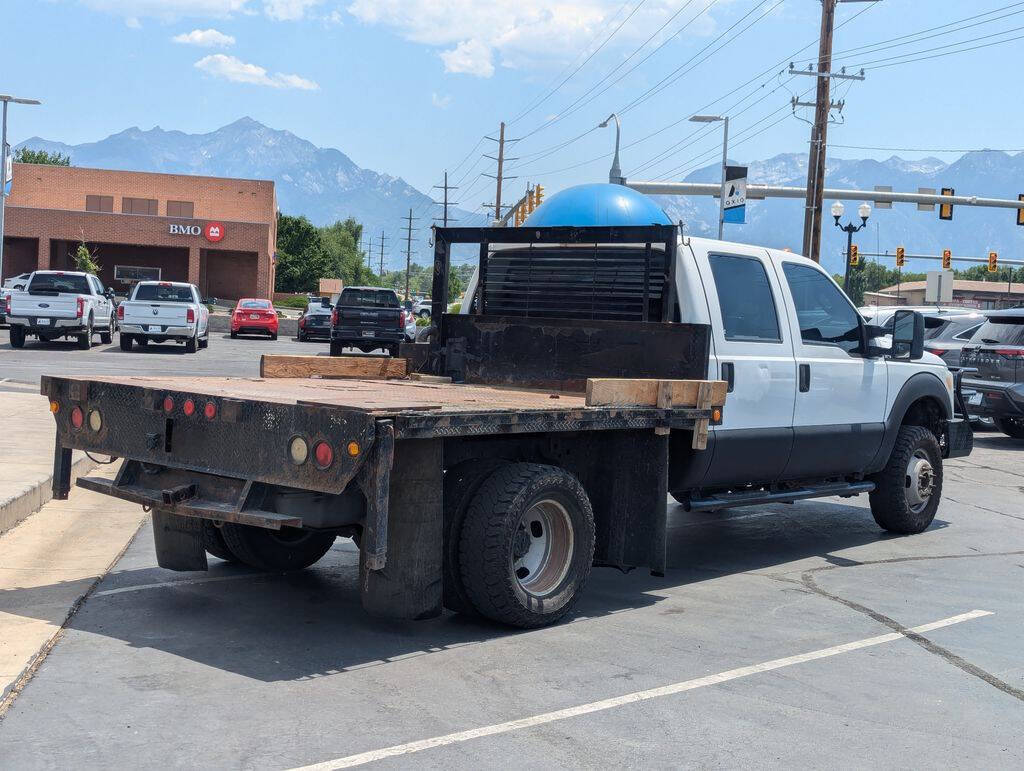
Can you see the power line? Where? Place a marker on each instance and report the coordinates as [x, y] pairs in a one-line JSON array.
[[928, 150]]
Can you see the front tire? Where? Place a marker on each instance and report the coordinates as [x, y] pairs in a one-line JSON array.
[[17, 336], [289, 548], [126, 342], [1010, 427], [907, 491], [527, 545]]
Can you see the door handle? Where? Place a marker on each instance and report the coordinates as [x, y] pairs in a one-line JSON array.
[[805, 378], [728, 375]]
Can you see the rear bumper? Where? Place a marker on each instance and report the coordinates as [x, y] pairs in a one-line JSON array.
[[176, 333], [992, 399], [33, 327], [358, 336]]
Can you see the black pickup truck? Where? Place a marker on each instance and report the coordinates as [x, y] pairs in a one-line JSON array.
[[367, 317]]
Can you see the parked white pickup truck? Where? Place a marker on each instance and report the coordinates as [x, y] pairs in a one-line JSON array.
[[158, 311], [59, 303]]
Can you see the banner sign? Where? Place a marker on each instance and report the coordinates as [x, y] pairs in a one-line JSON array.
[[735, 194]]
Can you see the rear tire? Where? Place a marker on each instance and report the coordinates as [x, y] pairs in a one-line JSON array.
[[192, 344], [85, 339], [286, 549], [908, 490], [17, 336], [527, 545], [107, 336], [204, 341], [337, 349], [234, 335], [1010, 427], [273, 335], [126, 342], [214, 543]]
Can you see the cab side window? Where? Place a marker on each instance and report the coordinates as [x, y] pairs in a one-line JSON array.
[[826, 317], [745, 299]]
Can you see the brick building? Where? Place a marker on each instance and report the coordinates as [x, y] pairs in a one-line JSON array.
[[983, 295], [215, 232]]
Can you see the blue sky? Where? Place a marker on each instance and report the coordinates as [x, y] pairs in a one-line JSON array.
[[408, 87]]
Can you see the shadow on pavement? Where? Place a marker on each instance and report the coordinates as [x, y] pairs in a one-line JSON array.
[[274, 627]]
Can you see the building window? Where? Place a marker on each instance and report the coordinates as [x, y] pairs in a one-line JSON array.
[[139, 206], [180, 209], [99, 203]]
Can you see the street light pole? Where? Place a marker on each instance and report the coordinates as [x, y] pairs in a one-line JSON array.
[[863, 211], [614, 173], [725, 162], [4, 153]]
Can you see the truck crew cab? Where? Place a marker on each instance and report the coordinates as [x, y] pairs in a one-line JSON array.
[[601, 361], [58, 303]]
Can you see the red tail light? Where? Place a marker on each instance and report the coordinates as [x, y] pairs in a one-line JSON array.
[[936, 351], [8, 305], [120, 313], [401, 320], [210, 411], [324, 454], [80, 309], [190, 316], [1011, 353], [302, 321], [334, 314]]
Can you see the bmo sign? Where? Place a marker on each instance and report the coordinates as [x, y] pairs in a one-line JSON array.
[[212, 232]]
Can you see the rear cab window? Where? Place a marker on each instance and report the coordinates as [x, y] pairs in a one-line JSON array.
[[163, 293], [368, 298], [745, 299], [54, 283]]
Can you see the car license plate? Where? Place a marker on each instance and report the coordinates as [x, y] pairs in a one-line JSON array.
[[153, 328], [254, 316], [974, 399], [369, 333], [42, 322]]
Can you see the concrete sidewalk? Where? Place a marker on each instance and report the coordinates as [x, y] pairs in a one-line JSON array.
[[26, 452]]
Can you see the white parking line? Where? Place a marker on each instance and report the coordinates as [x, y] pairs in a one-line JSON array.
[[630, 698]]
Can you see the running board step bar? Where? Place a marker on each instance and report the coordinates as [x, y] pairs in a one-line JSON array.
[[732, 500]]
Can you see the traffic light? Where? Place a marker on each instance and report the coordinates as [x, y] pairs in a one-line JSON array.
[[530, 203], [946, 209], [1020, 212], [538, 194], [993, 262], [519, 216], [900, 256], [947, 259], [854, 256]]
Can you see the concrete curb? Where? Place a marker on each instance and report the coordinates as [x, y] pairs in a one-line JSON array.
[[26, 503]]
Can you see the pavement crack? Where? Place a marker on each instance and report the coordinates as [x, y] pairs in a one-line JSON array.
[[985, 508], [807, 579]]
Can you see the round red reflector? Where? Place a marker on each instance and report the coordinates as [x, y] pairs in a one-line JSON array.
[[324, 454], [210, 410], [168, 404], [189, 407], [77, 417]]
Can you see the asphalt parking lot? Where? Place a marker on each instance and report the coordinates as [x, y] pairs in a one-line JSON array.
[[796, 636], [237, 358]]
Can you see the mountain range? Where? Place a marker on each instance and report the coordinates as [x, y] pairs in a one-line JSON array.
[[325, 185]]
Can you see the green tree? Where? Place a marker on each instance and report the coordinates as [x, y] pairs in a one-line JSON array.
[[85, 260], [347, 262], [302, 258], [25, 155]]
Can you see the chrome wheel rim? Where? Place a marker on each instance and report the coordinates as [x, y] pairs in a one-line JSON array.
[[919, 482], [542, 548]]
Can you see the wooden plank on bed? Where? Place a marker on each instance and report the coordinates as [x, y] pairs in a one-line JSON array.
[[629, 392], [279, 365]]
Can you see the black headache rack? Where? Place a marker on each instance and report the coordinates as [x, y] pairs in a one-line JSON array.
[[557, 305]]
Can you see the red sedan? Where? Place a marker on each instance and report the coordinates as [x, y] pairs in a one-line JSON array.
[[254, 315]]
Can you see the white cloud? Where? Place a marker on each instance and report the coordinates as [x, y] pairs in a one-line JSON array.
[[234, 69], [204, 38], [440, 102], [471, 57], [524, 34], [287, 10]]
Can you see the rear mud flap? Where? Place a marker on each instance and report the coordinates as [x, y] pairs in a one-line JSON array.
[[178, 541]]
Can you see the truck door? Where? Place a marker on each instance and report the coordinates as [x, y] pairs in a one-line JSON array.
[[753, 351], [841, 395]]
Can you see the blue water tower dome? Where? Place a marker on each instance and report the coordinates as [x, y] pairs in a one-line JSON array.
[[597, 204]]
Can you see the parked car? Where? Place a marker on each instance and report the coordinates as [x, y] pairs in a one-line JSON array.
[[946, 335], [996, 391], [422, 308], [253, 315], [17, 282], [59, 303], [158, 311], [315, 322], [367, 318]]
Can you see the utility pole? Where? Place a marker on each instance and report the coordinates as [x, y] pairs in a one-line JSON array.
[[369, 255], [500, 177], [445, 203], [408, 250], [382, 253], [819, 131]]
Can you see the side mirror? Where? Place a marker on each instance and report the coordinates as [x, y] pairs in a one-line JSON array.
[[907, 336], [108, 293]]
